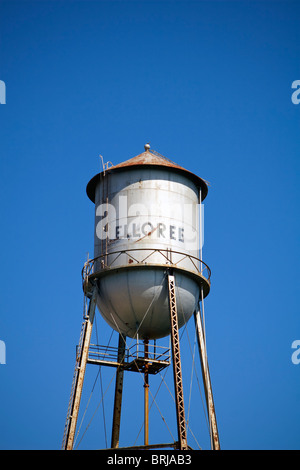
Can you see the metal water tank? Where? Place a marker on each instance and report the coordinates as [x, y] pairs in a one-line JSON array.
[[147, 222]]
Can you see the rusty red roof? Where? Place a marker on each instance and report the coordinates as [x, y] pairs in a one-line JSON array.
[[146, 158]]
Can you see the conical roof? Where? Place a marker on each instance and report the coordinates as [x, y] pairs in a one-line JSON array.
[[148, 159]]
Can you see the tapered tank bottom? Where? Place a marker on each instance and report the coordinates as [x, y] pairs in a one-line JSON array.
[[135, 301]]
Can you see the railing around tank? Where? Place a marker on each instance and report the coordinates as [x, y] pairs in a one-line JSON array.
[[109, 261]]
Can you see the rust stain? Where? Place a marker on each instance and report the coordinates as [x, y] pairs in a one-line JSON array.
[[147, 235], [147, 158]]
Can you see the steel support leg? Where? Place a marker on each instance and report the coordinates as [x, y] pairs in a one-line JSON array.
[[146, 394], [182, 438], [79, 373], [207, 383], [118, 395]]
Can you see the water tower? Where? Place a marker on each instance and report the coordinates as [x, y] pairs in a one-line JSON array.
[[147, 279]]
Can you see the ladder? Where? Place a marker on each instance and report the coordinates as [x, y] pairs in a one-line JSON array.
[[79, 372]]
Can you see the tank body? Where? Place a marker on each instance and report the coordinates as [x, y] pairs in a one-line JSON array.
[[146, 220]]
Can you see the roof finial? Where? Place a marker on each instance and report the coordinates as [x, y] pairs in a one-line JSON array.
[[147, 147]]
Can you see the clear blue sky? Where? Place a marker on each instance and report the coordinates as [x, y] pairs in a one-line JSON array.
[[209, 85]]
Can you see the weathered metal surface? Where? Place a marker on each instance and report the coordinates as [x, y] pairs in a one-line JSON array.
[[146, 207], [135, 301], [146, 216], [144, 159], [133, 277]]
